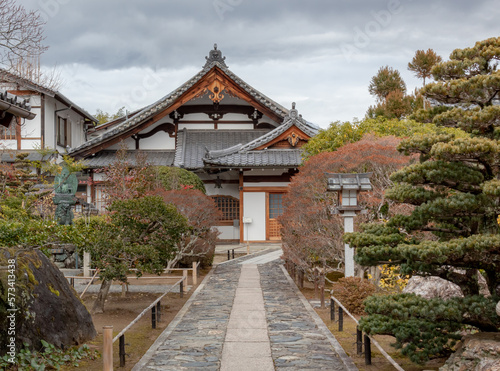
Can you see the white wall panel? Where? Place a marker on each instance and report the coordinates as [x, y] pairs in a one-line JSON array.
[[254, 206]]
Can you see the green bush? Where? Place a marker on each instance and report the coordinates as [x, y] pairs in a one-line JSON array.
[[49, 358], [175, 179], [352, 292]]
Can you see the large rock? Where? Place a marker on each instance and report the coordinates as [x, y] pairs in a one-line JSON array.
[[432, 287], [50, 309], [478, 352]]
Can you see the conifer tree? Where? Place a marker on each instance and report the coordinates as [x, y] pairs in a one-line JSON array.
[[453, 230]]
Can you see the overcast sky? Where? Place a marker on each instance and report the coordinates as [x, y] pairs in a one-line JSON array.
[[318, 53]]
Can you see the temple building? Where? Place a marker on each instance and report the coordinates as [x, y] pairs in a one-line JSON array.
[[242, 144]]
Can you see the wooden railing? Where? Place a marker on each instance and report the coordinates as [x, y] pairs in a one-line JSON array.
[[155, 307], [360, 340], [185, 272]]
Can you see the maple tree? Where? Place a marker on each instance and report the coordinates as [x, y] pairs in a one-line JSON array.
[[138, 233], [452, 231], [311, 233], [197, 242]]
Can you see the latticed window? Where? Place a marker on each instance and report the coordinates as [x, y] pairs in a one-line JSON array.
[[100, 200], [229, 206], [275, 205], [8, 132]]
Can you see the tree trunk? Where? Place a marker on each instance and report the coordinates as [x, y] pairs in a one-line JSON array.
[[300, 279], [315, 284], [322, 290], [376, 274], [124, 289], [101, 297]]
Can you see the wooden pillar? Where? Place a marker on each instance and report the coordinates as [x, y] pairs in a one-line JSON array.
[[18, 132], [195, 273], [242, 230], [107, 348], [185, 275]]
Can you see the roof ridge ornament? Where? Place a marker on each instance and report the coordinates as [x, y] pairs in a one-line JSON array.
[[293, 113], [215, 55]]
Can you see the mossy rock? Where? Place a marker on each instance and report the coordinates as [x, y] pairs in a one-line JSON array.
[[49, 308]]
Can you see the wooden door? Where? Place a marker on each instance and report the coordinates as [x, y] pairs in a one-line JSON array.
[[275, 209]]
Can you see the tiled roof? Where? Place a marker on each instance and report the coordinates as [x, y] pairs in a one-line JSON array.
[[292, 119], [193, 145], [246, 155], [32, 156], [156, 158], [169, 99], [15, 105], [264, 158], [15, 79]]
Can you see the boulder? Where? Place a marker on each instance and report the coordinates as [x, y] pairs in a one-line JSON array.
[[432, 287], [50, 309], [478, 352]]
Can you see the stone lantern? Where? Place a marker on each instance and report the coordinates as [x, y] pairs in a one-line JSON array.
[[348, 187]]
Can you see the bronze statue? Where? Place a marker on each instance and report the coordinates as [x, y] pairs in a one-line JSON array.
[[65, 188]]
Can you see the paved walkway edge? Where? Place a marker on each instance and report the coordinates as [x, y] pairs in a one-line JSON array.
[[171, 326], [349, 364], [244, 257]]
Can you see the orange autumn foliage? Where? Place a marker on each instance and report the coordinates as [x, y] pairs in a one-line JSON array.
[[311, 233]]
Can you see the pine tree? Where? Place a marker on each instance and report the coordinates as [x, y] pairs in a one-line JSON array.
[[386, 80], [422, 63], [452, 231]]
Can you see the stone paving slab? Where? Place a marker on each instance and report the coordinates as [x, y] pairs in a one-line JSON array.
[[212, 324]]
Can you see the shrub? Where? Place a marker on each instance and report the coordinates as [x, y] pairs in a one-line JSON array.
[[174, 178], [352, 292]]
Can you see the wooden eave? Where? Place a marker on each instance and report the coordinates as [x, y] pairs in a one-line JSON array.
[[204, 85], [284, 136]]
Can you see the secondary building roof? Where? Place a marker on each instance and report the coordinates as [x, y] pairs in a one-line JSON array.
[[152, 157], [31, 85]]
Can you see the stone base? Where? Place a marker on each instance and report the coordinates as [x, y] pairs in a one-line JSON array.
[[478, 352]]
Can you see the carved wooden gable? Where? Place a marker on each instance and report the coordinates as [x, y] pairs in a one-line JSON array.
[[291, 138]]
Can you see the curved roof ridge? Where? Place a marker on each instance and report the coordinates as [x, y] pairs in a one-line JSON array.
[[223, 152], [214, 60]]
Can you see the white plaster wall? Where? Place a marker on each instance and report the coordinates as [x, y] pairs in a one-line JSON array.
[[223, 126], [254, 206], [195, 126], [226, 190], [34, 100], [9, 144], [30, 144], [49, 123], [98, 177], [31, 128], [228, 233], [129, 142], [160, 140]]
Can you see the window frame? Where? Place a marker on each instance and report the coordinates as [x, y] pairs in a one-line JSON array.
[[231, 208], [9, 132], [63, 132]]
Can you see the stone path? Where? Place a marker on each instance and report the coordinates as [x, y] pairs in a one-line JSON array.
[[246, 317]]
